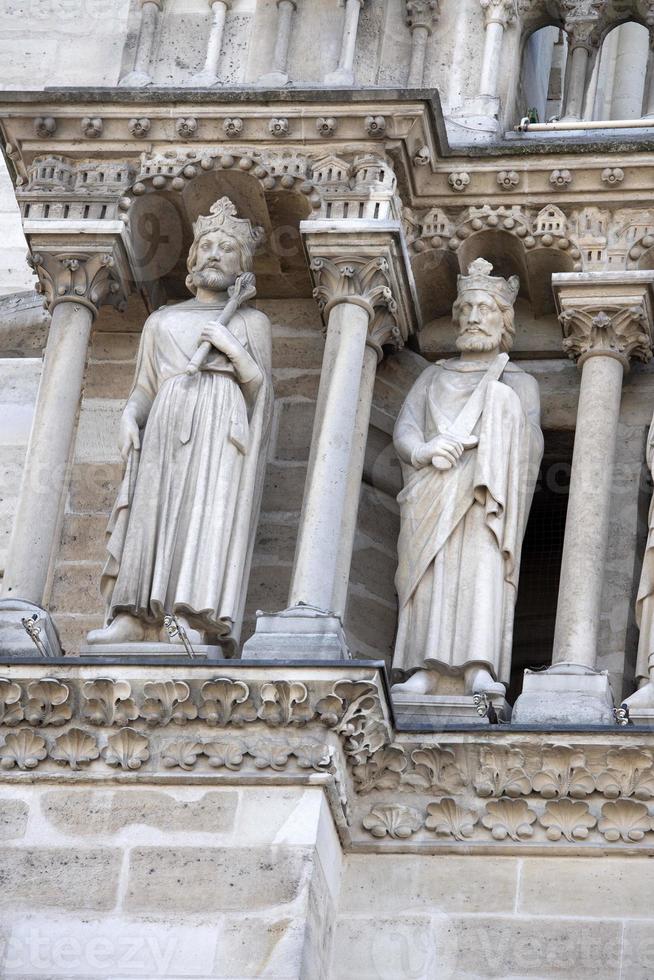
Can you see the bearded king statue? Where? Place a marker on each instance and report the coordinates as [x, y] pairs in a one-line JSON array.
[[193, 436], [469, 441]]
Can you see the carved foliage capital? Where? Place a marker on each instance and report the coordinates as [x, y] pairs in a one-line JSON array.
[[365, 282], [88, 278], [422, 13], [621, 332], [498, 11], [583, 21]]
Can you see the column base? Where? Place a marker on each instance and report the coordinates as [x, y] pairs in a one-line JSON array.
[[137, 651], [135, 79], [340, 78], [15, 641], [273, 79], [565, 694], [298, 633], [435, 711], [203, 79]]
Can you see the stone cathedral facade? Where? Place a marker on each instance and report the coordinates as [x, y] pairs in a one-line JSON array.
[[327, 582]]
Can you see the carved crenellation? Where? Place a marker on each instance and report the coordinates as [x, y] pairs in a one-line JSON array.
[[71, 276], [621, 332], [59, 188]]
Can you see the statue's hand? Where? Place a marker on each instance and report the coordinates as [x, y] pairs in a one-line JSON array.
[[129, 436], [219, 337], [448, 449]]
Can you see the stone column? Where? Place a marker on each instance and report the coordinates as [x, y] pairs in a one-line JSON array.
[[344, 74], [648, 101], [630, 71], [209, 74], [278, 75], [420, 18], [607, 322], [76, 282], [363, 291], [497, 15], [583, 27], [140, 75]]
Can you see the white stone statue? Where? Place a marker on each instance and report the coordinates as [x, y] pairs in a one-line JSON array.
[[644, 696], [469, 440], [193, 434]]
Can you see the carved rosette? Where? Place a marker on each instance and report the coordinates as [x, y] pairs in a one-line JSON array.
[[422, 13], [88, 278], [364, 282], [620, 332]]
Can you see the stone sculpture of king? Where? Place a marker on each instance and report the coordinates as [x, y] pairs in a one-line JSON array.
[[470, 445], [193, 436]]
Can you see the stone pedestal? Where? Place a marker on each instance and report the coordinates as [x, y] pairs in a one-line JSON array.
[[16, 641], [429, 712], [298, 633], [136, 651], [566, 694]]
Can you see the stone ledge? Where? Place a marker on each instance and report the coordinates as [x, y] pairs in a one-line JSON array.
[[501, 791]]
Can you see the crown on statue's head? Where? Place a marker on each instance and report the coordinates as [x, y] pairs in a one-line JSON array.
[[479, 277], [224, 217]]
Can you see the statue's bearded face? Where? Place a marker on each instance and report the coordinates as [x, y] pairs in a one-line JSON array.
[[218, 262], [481, 323]]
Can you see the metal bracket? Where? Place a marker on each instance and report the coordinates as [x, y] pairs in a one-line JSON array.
[[34, 632], [176, 631]]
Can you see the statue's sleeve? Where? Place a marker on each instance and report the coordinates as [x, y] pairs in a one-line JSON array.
[[409, 431], [145, 375], [649, 449]]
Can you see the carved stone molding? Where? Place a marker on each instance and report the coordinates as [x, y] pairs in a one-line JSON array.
[[498, 11], [583, 21]]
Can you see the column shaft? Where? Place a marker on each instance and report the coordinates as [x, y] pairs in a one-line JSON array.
[[587, 521], [326, 492], [283, 38], [344, 74], [140, 74], [419, 38], [355, 473], [574, 102], [648, 102], [53, 428], [214, 44], [491, 60]]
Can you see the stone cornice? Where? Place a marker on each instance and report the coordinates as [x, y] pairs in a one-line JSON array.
[[491, 790]]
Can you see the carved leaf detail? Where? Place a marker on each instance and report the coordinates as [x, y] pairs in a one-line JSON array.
[[75, 747], [435, 769], [127, 749], [269, 754], [11, 711], [24, 749], [48, 702], [509, 818], [624, 819], [393, 820], [285, 703], [108, 702], [227, 752], [312, 754], [501, 773], [226, 702], [629, 772], [167, 701], [183, 754], [353, 710], [563, 773], [447, 817], [382, 770], [567, 818]]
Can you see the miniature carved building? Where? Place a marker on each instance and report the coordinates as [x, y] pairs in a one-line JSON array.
[[261, 802]]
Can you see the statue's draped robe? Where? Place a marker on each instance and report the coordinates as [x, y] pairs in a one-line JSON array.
[[461, 529], [181, 532], [645, 598]]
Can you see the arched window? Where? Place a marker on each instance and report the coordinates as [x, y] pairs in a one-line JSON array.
[[617, 86], [542, 76]]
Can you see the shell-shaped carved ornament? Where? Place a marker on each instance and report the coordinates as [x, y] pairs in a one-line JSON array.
[[23, 749], [75, 748], [393, 820], [128, 749], [108, 702], [228, 753], [447, 818], [183, 754], [567, 818], [167, 701], [226, 702], [509, 818], [285, 703], [624, 820]]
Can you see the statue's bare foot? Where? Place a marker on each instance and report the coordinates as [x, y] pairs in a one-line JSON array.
[[478, 680], [642, 698], [195, 637], [422, 682], [123, 629]]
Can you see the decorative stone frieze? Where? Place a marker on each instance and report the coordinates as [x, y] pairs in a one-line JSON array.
[[458, 180], [45, 127], [447, 819], [92, 127], [567, 819], [560, 179], [399, 822], [139, 127], [326, 126], [279, 127], [612, 176], [508, 179], [375, 126], [232, 127], [186, 127], [509, 818]]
